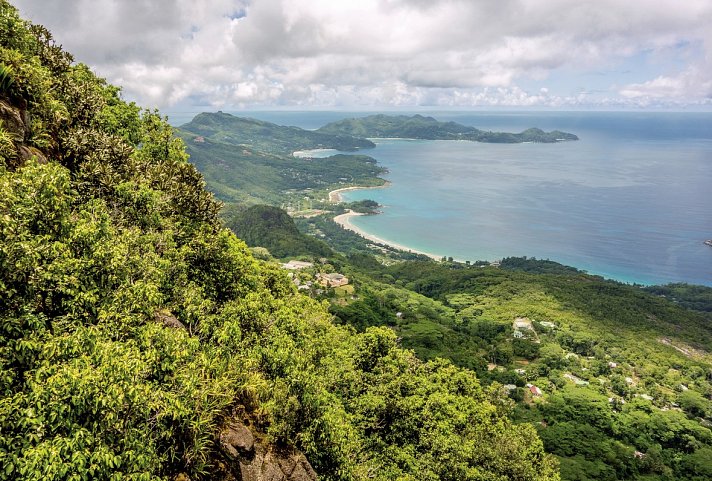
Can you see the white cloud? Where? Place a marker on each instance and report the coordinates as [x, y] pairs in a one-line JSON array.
[[690, 86], [380, 52]]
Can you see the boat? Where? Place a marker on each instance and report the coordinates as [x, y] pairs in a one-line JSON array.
[[708, 242]]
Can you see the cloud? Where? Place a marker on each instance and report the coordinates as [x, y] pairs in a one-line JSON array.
[[690, 86], [381, 52]]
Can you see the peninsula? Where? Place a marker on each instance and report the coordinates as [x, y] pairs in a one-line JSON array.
[[428, 128]]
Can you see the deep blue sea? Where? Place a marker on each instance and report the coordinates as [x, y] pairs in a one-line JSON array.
[[631, 200]]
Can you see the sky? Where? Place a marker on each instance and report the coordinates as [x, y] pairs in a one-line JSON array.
[[383, 54]]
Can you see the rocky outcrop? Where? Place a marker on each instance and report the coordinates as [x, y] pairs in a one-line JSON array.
[[247, 458], [15, 121], [167, 319]]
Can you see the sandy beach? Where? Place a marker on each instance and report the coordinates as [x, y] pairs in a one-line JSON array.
[[335, 195], [344, 220]]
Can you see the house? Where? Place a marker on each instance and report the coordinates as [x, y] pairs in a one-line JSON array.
[[332, 280], [522, 323], [612, 365], [534, 390], [296, 265], [199, 139]]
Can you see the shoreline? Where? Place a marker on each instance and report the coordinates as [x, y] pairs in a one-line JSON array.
[[335, 195], [344, 220]]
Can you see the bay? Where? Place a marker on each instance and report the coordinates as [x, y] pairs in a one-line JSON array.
[[630, 200]]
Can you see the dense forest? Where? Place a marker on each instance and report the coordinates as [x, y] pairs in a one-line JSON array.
[[616, 378], [140, 339]]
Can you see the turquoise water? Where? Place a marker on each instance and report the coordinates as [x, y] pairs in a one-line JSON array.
[[631, 200]]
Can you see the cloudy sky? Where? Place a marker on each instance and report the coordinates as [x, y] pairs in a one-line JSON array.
[[569, 54]]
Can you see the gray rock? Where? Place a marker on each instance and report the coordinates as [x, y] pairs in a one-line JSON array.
[[167, 319], [13, 121], [237, 440]]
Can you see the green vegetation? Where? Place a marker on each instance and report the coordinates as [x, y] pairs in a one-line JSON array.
[[615, 379], [349, 243], [247, 161], [697, 298], [273, 229], [240, 174], [365, 206], [420, 127], [133, 326], [626, 377]]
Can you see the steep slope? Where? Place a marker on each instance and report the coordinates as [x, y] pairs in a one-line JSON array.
[[272, 228], [420, 127], [140, 340]]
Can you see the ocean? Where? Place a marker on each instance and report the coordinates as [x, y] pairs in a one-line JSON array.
[[631, 200]]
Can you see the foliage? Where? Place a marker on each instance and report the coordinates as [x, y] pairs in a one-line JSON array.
[[133, 325], [698, 298], [349, 243], [272, 228], [365, 206], [622, 371]]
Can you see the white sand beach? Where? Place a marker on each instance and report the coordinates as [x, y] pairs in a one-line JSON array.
[[335, 195], [344, 220]]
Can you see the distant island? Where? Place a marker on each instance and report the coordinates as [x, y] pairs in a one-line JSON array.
[[428, 128]]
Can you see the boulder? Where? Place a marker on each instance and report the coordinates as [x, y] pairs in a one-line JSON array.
[[237, 441], [251, 459], [167, 319]]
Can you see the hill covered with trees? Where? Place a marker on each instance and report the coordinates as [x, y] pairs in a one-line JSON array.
[[248, 161], [272, 228], [139, 339]]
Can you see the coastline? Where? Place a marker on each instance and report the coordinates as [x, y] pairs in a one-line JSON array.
[[335, 195], [344, 220]]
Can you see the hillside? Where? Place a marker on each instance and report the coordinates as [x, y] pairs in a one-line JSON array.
[[616, 378], [420, 127], [273, 229], [247, 161], [139, 339]]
